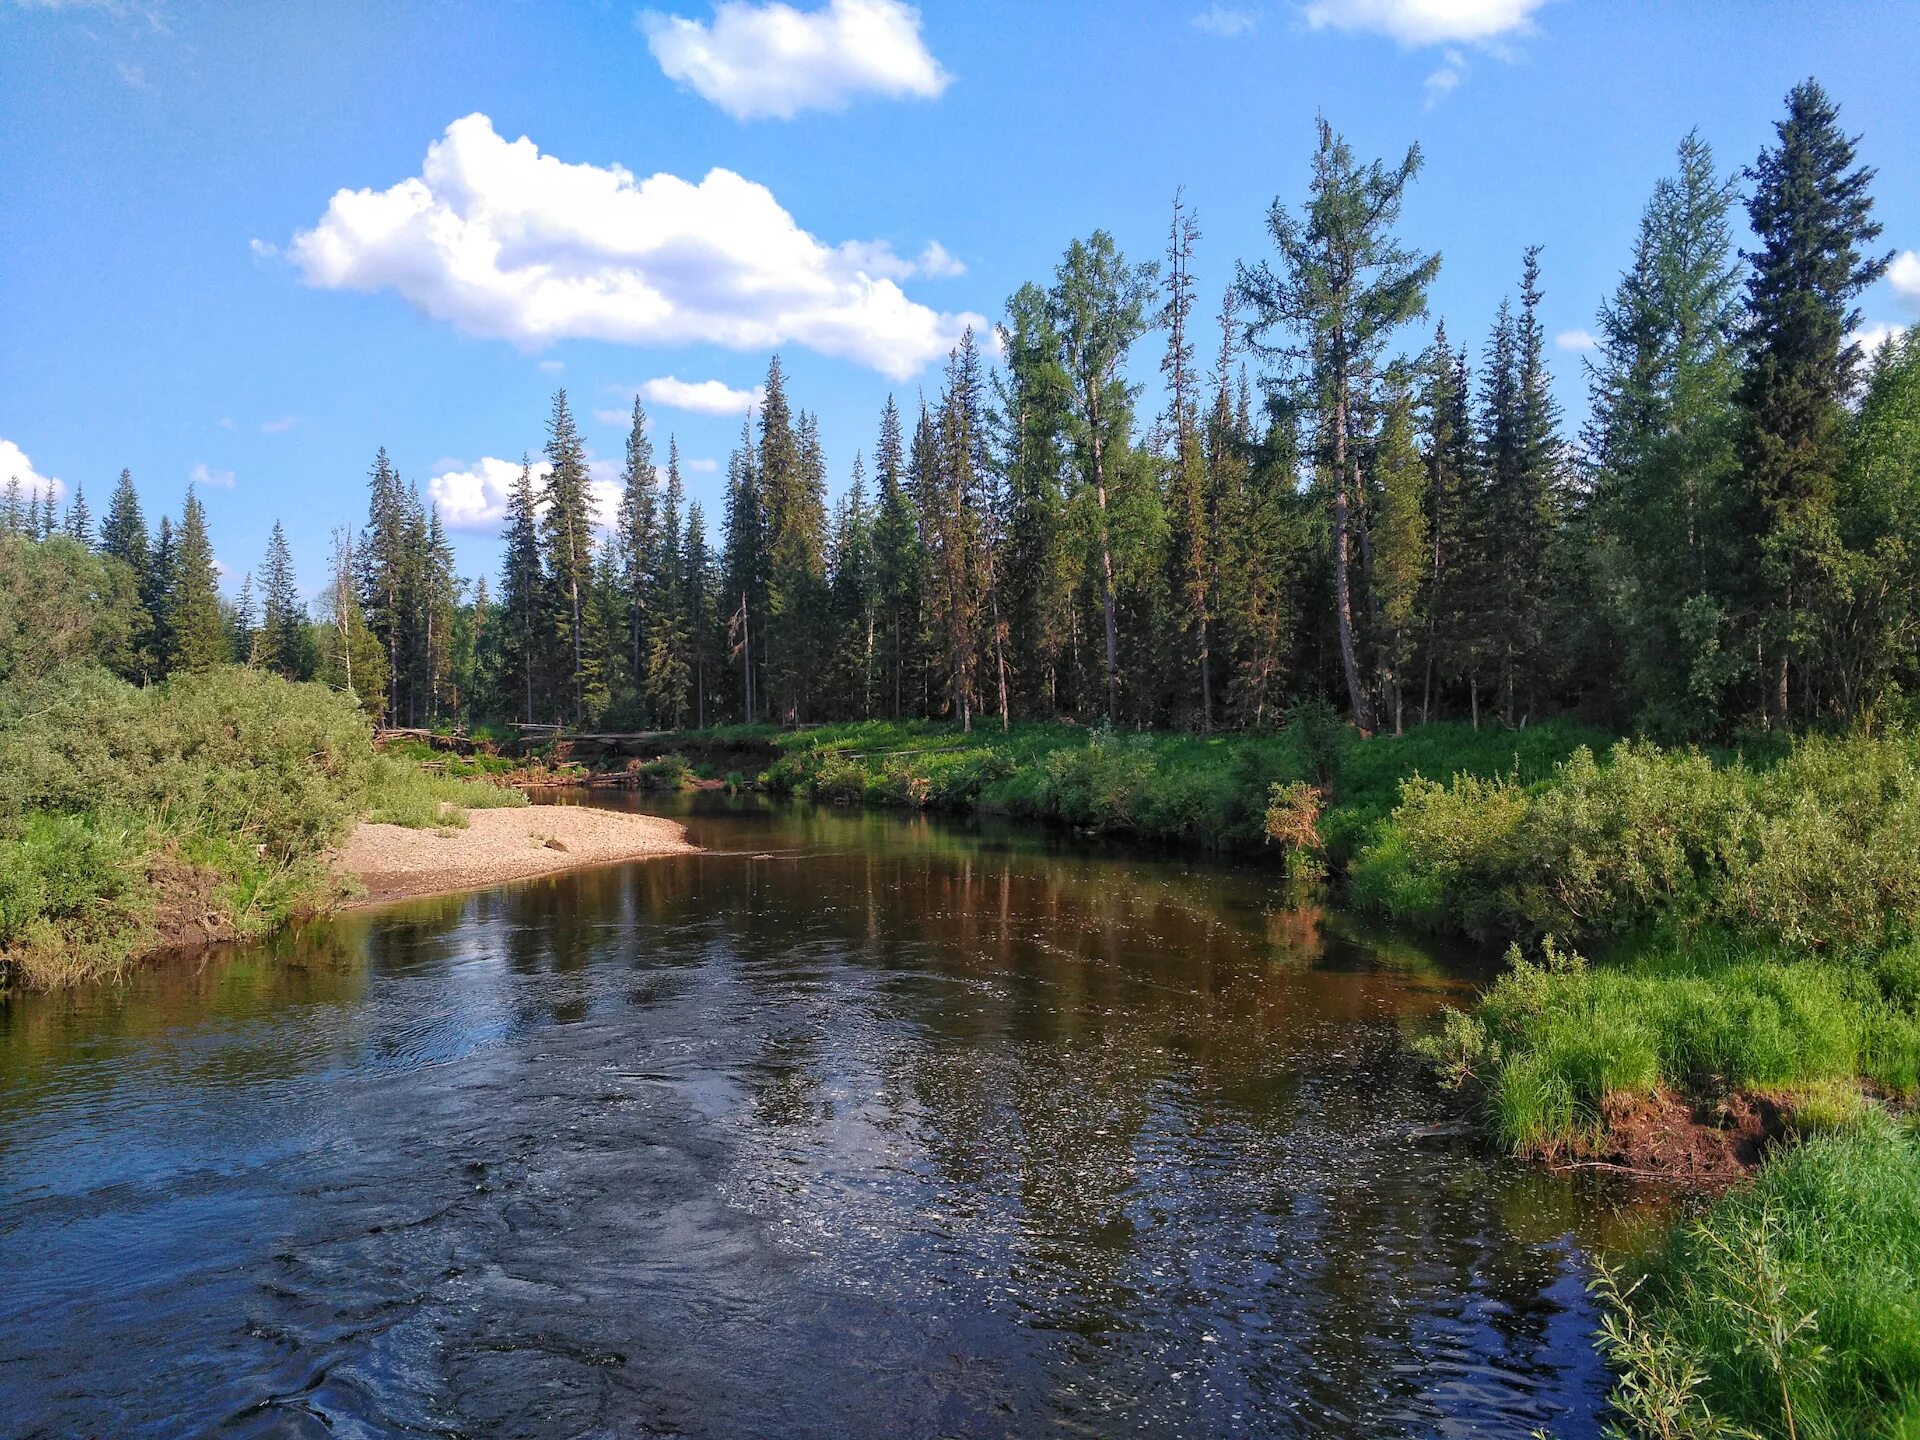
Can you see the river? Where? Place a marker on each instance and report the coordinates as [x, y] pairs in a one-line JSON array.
[[856, 1125]]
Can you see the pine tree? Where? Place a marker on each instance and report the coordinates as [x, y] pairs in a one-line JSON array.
[[1343, 287], [1098, 308], [1812, 211], [199, 638]]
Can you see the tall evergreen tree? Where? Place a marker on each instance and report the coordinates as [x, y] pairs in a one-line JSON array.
[[123, 537], [199, 638], [1661, 447], [1344, 285], [638, 532], [522, 640], [896, 553], [79, 518], [382, 556], [1812, 211], [792, 481], [157, 599], [282, 619], [744, 572], [669, 655], [566, 532], [1098, 308], [1401, 543], [1185, 457], [698, 582]]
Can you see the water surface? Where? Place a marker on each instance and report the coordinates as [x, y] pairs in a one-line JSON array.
[[857, 1125]]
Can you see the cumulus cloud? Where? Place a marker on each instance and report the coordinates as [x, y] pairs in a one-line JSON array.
[[14, 465], [1904, 276], [758, 61], [1226, 21], [1426, 22], [1871, 337], [505, 242], [937, 263], [703, 397], [474, 497], [216, 479], [1576, 340]]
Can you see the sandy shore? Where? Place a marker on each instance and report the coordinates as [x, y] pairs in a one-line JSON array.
[[393, 862]]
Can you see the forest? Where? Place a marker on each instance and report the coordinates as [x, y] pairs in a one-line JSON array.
[[1356, 590], [1335, 500]]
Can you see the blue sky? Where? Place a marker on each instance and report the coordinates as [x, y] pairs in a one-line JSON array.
[[182, 293]]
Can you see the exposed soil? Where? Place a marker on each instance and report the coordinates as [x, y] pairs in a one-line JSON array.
[[1708, 1145], [393, 862]]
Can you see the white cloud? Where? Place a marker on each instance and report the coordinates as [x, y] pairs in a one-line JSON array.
[[755, 61], [1226, 21], [1444, 80], [703, 397], [936, 262], [505, 242], [216, 479], [474, 497], [14, 465], [1577, 340], [1871, 337], [1904, 276], [552, 367], [280, 426], [263, 250], [702, 466], [1426, 22]]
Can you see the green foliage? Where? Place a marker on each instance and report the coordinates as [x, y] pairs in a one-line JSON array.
[[1819, 851], [61, 603], [1791, 1308]]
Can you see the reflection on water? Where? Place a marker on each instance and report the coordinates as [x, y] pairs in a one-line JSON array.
[[855, 1125]]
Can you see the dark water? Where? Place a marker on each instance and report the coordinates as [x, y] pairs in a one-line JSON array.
[[857, 1126]]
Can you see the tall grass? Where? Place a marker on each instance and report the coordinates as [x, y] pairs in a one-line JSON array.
[[1792, 1308]]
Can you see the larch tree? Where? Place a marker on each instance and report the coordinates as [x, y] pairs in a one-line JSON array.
[[1343, 285]]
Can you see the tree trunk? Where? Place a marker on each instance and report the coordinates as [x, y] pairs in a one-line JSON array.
[[1357, 697]]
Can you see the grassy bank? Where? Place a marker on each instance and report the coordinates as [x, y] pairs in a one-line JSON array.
[[1214, 792], [138, 818]]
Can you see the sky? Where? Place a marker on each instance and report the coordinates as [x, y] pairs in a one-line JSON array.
[[244, 246]]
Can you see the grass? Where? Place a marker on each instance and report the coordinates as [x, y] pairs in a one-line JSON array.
[[400, 792], [1792, 1308], [1212, 792]]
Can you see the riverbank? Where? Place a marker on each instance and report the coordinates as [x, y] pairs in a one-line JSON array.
[[393, 862]]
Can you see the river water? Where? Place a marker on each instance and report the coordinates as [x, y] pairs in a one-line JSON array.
[[856, 1125]]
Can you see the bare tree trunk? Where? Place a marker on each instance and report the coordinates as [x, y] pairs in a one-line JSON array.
[[1357, 697]]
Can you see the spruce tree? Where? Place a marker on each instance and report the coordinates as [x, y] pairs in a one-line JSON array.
[[744, 575], [669, 673], [522, 604], [13, 515], [1401, 542], [243, 638], [1098, 309], [198, 636], [282, 618], [1812, 211], [1660, 448], [1185, 458], [1035, 563], [566, 532], [697, 580], [158, 598], [79, 518], [638, 530], [896, 553], [792, 481]]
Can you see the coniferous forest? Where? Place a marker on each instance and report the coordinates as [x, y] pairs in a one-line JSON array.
[[1653, 677], [1342, 495]]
